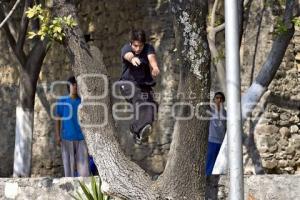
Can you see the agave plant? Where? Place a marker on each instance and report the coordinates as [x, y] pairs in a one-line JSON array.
[[93, 193]]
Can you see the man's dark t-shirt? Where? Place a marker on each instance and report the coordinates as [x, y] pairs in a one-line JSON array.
[[141, 74]]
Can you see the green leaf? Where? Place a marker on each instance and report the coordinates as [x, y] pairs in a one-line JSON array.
[[74, 197], [94, 188], [86, 191], [296, 21], [101, 196], [57, 29], [80, 196], [30, 13], [31, 34]]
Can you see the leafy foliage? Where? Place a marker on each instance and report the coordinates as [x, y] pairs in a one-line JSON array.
[[296, 21], [50, 27], [280, 27], [93, 193]]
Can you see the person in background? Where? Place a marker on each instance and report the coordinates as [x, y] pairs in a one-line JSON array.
[[217, 130], [68, 133]]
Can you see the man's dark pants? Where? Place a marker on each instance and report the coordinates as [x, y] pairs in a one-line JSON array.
[[145, 108]]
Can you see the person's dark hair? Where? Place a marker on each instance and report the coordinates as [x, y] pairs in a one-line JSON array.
[[221, 94], [71, 80], [138, 35]]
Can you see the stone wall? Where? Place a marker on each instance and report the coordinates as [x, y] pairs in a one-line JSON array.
[[267, 187], [272, 141]]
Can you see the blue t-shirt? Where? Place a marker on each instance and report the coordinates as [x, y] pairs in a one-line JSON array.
[[67, 109]]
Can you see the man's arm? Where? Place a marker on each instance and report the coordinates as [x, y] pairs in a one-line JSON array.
[[153, 65], [129, 56]]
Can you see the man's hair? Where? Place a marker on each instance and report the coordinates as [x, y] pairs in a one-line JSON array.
[[221, 94], [71, 80], [138, 35]]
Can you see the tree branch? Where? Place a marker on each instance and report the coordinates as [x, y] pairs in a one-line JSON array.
[[23, 27], [256, 42], [21, 57], [36, 58], [240, 19], [10, 13], [213, 14], [219, 28], [218, 62], [278, 49]]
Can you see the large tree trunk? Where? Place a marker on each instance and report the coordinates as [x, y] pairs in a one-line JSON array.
[[169, 84], [24, 126], [184, 175], [25, 110], [185, 168]]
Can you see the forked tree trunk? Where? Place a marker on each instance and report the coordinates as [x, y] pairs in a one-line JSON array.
[[25, 110], [184, 174], [30, 66], [24, 127]]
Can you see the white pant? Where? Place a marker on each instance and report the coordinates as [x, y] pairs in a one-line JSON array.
[[75, 158]]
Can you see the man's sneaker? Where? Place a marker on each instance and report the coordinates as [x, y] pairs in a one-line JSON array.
[[135, 137], [137, 140], [145, 132]]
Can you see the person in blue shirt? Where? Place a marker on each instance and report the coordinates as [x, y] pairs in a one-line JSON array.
[[140, 68], [217, 130], [68, 133]]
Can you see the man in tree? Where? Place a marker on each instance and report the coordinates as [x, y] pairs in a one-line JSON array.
[[139, 68], [69, 135]]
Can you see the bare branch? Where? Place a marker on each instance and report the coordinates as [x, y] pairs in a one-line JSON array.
[[23, 27], [240, 19], [213, 14], [36, 58], [219, 63], [219, 28], [256, 41], [21, 57], [10, 13], [278, 48]]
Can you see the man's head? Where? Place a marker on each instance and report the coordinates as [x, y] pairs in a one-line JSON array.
[[72, 86], [219, 98], [137, 40]]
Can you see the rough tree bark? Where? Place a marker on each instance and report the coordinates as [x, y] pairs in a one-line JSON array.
[[184, 176], [30, 67], [186, 164]]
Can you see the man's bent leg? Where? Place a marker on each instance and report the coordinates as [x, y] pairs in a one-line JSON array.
[[144, 109]]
